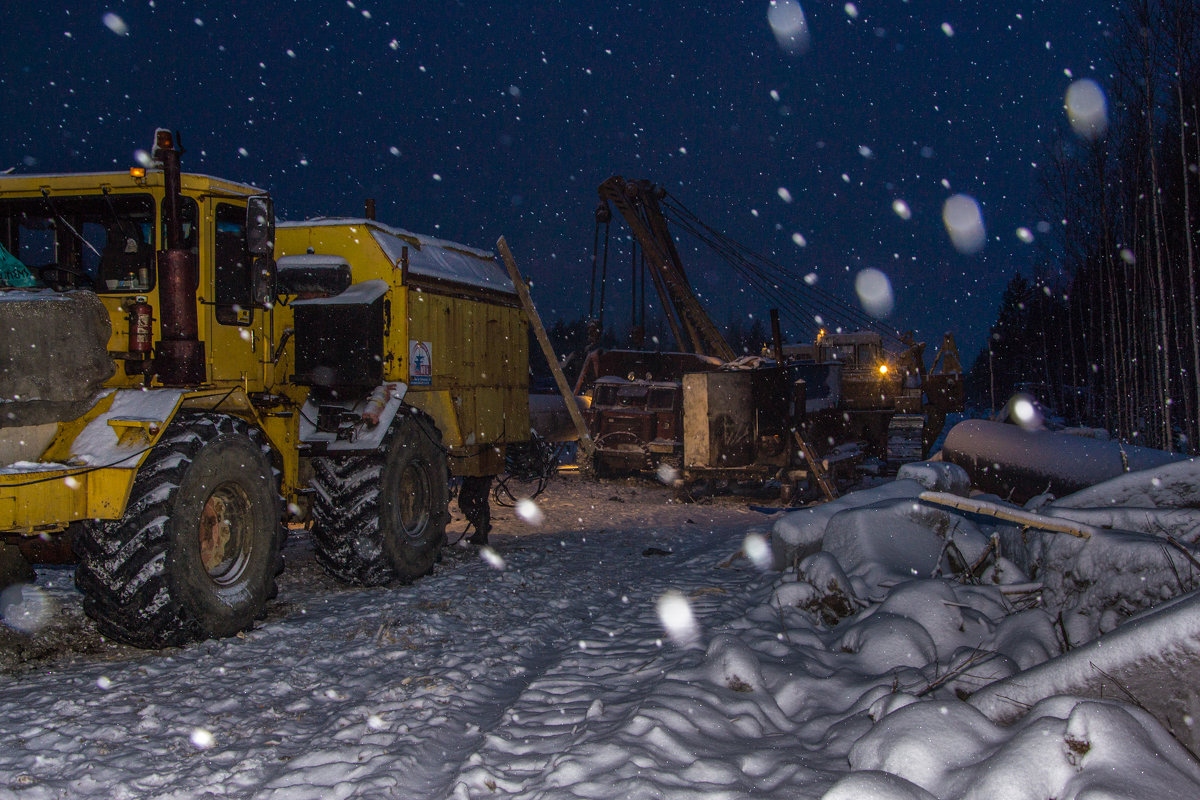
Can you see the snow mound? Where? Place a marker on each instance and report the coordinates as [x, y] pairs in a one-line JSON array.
[[937, 476], [1152, 660], [1064, 747], [1175, 485], [887, 542], [798, 534], [1097, 583], [875, 786]]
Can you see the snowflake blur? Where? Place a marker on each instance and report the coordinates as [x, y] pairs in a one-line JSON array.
[[964, 223], [675, 614], [874, 292], [789, 25], [1087, 109], [529, 511], [25, 607]]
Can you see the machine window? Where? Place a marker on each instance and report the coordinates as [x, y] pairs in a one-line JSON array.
[[101, 242], [233, 264]]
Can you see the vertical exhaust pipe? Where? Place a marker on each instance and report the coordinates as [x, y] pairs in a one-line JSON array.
[[179, 356], [777, 336]]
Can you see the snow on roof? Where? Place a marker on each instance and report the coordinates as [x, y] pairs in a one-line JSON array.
[[91, 181], [429, 257], [364, 292], [311, 260]]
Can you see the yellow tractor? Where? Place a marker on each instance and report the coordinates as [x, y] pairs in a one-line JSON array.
[[179, 377]]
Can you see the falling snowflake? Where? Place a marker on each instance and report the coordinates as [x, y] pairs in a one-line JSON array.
[[964, 223], [787, 21], [874, 292], [529, 511], [1087, 109], [115, 24], [202, 739], [757, 549], [493, 559], [675, 614]]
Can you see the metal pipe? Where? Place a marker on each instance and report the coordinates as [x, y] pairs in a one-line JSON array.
[[777, 336], [179, 357], [1018, 464]]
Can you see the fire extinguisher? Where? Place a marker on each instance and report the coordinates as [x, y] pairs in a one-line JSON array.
[[141, 327]]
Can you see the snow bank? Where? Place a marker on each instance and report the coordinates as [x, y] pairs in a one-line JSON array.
[[945, 642], [1064, 747], [1152, 660], [1095, 584], [557, 677], [1175, 485], [798, 534]]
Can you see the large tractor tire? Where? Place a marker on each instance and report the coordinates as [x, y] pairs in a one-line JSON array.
[[198, 550], [381, 515]]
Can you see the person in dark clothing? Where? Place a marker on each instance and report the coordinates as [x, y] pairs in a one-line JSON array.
[[473, 501]]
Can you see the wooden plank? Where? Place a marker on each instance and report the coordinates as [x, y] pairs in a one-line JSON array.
[[1026, 519], [822, 476], [539, 330]]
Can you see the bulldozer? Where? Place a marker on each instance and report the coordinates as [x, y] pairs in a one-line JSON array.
[[884, 398], [180, 378]]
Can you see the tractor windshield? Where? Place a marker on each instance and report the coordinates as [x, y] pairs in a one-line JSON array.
[[101, 242]]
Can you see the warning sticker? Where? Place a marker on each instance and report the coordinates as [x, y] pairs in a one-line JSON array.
[[420, 363]]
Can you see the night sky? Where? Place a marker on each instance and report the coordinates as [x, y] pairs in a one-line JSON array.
[[468, 120]]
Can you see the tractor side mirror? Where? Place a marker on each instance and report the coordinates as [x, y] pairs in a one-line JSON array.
[[266, 279], [260, 226]]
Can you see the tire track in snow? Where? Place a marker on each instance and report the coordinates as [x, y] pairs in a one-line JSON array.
[[383, 692], [556, 737]]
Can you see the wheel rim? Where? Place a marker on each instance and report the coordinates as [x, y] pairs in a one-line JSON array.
[[225, 533], [414, 499]]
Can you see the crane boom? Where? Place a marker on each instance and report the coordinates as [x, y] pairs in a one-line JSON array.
[[637, 203]]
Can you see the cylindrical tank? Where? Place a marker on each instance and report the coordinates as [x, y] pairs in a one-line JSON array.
[[1018, 464]]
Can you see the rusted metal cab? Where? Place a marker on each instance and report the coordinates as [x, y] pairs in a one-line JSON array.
[[635, 406]]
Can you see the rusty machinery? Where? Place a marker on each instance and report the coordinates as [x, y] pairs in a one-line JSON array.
[[707, 412]]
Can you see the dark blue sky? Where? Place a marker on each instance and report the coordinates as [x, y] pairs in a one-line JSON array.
[[469, 120]]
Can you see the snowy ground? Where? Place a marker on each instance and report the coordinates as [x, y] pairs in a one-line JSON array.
[[622, 648]]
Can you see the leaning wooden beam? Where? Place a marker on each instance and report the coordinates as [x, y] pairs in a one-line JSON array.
[[1026, 519], [819, 472], [539, 330]]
